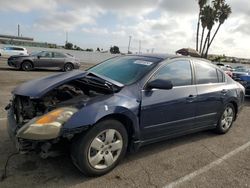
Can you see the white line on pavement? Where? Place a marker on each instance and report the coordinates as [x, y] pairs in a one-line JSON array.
[[207, 167]]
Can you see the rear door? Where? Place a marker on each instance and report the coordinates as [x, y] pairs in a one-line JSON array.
[[212, 90], [169, 112], [58, 60]]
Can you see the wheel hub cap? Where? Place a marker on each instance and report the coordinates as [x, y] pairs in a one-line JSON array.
[[227, 118], [105, 149]]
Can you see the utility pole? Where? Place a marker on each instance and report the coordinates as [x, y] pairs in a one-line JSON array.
[[129, 44], [139, 46], [18, 30]]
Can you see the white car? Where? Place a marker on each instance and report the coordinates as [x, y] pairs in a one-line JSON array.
[[13, 50]]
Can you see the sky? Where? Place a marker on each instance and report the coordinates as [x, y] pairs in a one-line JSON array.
[[163, 26]]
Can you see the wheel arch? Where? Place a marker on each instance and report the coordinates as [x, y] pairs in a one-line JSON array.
[[125, 120], [235, 108], [27, 60], [67, 62]]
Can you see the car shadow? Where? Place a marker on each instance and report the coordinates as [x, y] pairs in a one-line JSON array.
[[62, 168]]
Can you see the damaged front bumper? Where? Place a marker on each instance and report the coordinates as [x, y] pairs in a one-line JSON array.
[[44, 148]]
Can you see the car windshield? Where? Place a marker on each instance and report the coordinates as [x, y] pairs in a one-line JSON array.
[[126, 70]]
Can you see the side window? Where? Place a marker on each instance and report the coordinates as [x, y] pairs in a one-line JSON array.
[[220, 76], [18, 49], [205, 73], [58, 55], [179, 72], [45, 54]]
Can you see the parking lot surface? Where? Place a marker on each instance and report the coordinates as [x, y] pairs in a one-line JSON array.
[[198, 160]]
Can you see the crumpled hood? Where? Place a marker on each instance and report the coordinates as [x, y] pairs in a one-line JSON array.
[[37, 88]]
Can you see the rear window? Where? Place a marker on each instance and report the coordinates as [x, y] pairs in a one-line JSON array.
[[221, 77], [205, 73]]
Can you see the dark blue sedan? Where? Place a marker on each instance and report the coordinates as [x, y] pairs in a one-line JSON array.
[[119, 105]]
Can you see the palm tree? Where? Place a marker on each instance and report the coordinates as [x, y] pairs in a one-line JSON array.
[[201, 3], [208, 18], [224, 13]]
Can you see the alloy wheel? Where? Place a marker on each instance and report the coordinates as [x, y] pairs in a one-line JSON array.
[[227, 118], [105, 149]]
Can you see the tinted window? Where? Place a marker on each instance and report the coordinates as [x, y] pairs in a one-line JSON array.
[[220, 76], [178, 72], [18, 49], [205, 73], [125, 70], [58, 55], [45, 54]]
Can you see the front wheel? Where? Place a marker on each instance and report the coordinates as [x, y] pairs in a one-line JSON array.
[[26, 66], [226, 120], [100, 149]]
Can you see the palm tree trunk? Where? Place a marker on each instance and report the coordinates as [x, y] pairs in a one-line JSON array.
[[197, 32], [204, 46], [208, 42], [214, 35], [202, 35]]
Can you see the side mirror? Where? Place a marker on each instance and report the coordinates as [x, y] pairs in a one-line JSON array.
[[38, 57], [160, 84]]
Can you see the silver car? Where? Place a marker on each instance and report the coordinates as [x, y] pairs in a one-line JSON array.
[[44, 59]]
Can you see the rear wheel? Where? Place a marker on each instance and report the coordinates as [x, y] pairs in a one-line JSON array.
[[226, 119], [68, 67], [26, 66], [100, 149]]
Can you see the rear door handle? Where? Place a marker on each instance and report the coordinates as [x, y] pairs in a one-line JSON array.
[[191, 98], [224, 91]]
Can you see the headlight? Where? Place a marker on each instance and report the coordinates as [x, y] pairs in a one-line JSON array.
[[47, 126]]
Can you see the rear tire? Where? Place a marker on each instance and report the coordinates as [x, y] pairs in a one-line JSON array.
[[26, 66], [68, 67], [99, 150], [226, 119]]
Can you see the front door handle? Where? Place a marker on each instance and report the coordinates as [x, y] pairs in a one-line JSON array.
[[191, 98]]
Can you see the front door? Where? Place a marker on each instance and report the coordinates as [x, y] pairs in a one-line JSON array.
[[43, 59], [169, 112]]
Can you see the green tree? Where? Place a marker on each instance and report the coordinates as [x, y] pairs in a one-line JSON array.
[[201, 3], [69, 46], [114, 50], [210, 15], [223, 14]]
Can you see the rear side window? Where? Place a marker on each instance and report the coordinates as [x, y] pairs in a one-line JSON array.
[[220, 76], [205, 73], [178, 72], [58, 55]]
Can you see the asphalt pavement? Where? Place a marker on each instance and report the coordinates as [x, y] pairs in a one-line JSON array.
[[199, 160]]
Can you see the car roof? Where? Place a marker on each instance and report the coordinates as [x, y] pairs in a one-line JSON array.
[[159, 56]]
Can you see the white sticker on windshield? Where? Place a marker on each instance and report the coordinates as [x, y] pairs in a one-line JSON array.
[[141, 62]]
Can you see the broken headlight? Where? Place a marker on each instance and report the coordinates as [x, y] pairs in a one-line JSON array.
[[47, 126]]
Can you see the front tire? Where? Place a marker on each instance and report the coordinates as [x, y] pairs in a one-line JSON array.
[[226, 120], [26, 66], [99, 150]]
